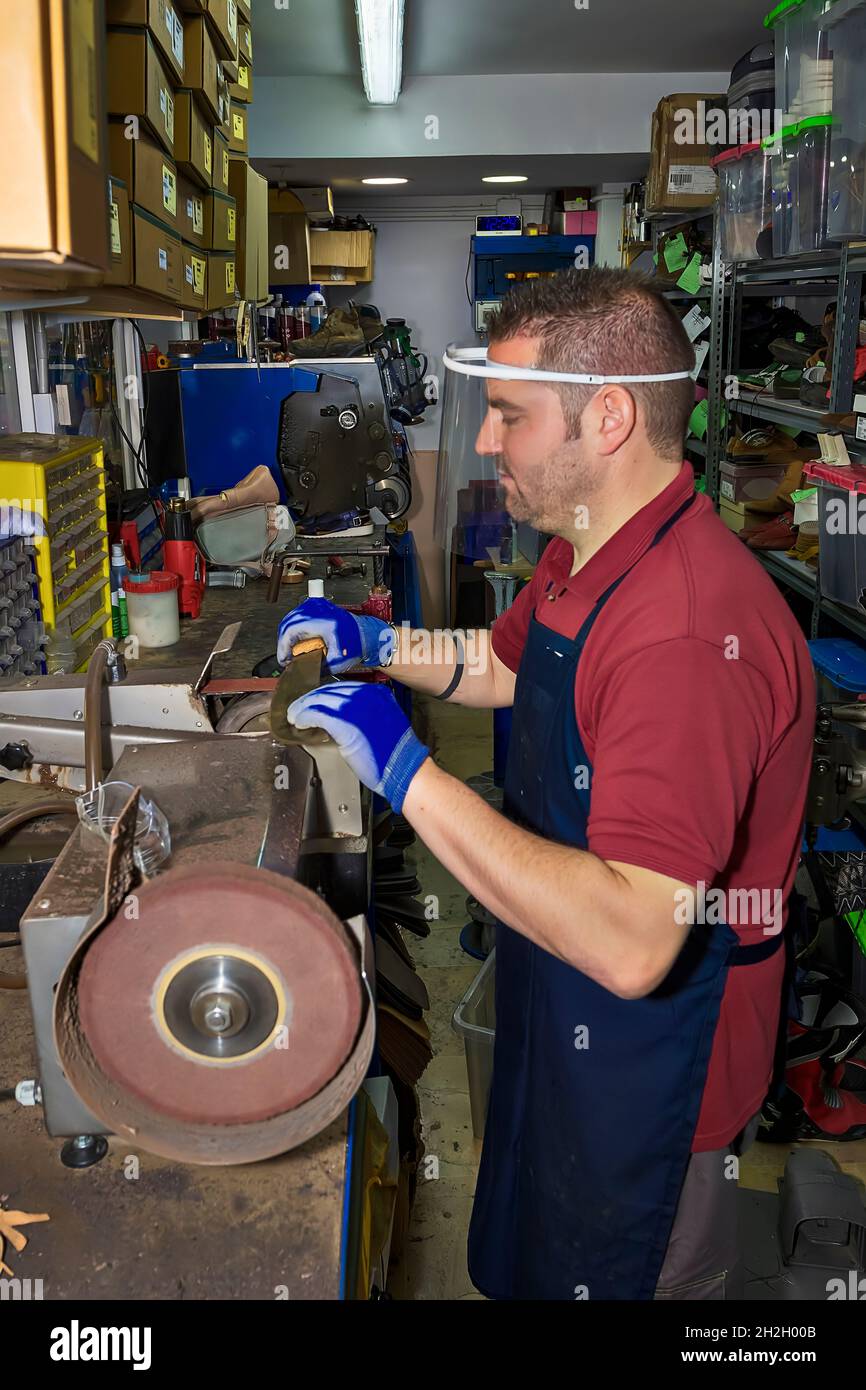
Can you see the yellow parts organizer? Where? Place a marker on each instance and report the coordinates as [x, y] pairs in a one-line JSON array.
[[58, 480]]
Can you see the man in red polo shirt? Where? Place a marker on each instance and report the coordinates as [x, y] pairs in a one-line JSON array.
[[663, 713]]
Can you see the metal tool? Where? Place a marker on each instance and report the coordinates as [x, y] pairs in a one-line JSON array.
[[302, 674]]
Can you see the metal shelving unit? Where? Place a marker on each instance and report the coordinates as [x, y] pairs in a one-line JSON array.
[[835, 274]]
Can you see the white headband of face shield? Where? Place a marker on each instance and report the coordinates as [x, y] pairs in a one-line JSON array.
[[473, 362]]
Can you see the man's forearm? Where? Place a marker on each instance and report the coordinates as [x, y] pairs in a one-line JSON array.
[[566, 900], [427, 661]]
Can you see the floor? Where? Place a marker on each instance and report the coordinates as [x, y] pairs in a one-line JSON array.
[[435, 1264]]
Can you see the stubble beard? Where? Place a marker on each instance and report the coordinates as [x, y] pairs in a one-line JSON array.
[[561, 483]]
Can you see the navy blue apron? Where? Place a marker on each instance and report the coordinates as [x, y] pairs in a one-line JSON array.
[[595, 1099]]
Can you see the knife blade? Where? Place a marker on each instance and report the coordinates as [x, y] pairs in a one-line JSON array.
[[303, 673]]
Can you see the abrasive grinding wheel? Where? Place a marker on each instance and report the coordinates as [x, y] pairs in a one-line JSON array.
[[224, 1022]]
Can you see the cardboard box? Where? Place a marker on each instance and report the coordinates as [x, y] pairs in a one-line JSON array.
[[221, 288], [162, 20], [318, 203], [245, 10], [238, 132], [193, 140], [289, 249], [220, 222], [139, 84], [201, 70], [52, 114], [150, 176], [680, 175], [193, 284], [221, 162], [250, 192], [737, 516], [222, 17], [156, 256], [245, 40], [347, 250], [284, 200], [242, 89], [190, 212], [119, 233]]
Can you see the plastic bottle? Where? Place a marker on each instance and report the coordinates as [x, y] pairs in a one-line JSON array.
[[118, 572], [317, 307], [316, 588]]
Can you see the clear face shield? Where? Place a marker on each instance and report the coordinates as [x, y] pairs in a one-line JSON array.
[[499, 422]]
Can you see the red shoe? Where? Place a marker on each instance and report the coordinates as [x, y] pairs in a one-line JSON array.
[[779, 534]]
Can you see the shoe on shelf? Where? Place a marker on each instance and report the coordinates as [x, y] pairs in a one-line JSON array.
[[339, 334], [766, 444], [779, 534], [786, 383]]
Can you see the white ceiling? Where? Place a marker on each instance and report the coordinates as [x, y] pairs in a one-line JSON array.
[[453, 176], [455, 37]]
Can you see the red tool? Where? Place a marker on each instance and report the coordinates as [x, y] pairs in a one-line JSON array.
[[182, 557]]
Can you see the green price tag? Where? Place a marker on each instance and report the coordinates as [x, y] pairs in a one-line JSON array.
[[676, 253], [698, 420], [690, 280]]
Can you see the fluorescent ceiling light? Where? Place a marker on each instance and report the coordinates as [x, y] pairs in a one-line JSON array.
[[385, 181], [505, 178], [380, 34]]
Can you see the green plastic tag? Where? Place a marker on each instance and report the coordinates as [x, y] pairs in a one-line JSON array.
[[802, 493], [676, 253], [655, 257], [690, 280], [799, 337], [698, 420], [700, 483]]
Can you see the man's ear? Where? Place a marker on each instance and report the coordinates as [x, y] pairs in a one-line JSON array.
[[611, 416]]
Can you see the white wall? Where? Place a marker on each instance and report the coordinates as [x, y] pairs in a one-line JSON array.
[[514, 114], [422, 250]]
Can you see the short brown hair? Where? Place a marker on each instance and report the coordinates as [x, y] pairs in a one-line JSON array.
[[611, 322]]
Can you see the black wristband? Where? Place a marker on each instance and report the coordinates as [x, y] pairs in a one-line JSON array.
[[458, 670]]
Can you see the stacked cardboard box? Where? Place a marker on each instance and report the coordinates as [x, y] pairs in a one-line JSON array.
[[680, 175], [170, 66]]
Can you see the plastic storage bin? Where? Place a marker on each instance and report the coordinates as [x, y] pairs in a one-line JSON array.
[[804, 62], [800, 170], [847, 193], [752, 95], [745, 202], [813, 181], [841, 531], [749, 482], [782, 150], [474, 1021]]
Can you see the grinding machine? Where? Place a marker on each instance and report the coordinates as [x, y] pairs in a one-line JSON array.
[[219, 1009]]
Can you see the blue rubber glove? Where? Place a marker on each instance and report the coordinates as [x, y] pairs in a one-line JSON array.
[[373, 733], [351, 640]]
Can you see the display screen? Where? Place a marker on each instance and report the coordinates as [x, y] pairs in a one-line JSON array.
[[497, 224]]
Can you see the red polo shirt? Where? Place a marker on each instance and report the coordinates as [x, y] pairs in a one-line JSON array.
[[695, 701]]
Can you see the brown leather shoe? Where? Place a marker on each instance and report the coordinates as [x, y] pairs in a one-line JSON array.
[[256, 488], [780, 534]]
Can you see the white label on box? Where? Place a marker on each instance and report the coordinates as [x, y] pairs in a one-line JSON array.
[[692, 178], [115, 230], [233, 20], [860, 429], [163, 259], [726, 488], [187, 270], [63, 415], [700, 356], [166, 106], [695, 321], [176, 29]]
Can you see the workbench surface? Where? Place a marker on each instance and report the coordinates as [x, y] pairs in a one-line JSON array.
[[139, 1227]]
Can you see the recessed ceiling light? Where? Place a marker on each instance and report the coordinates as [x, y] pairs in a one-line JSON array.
[[385, 180], [505, 178]]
